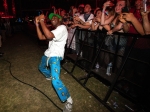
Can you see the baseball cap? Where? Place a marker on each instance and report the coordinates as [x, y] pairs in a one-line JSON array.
[[52, 14]]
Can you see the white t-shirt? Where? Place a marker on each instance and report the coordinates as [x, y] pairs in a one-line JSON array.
[[88, 20], [56, 46]]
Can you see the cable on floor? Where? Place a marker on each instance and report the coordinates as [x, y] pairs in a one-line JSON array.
[[30, 85]]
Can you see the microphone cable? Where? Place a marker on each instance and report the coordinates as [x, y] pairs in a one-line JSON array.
[[31, 85]]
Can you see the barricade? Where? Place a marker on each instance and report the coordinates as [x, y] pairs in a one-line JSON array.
[[121, 49]]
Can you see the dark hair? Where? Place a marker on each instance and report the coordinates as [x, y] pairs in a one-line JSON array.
[[97, 11]]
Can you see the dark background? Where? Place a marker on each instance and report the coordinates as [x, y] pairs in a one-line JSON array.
[[29, 5]]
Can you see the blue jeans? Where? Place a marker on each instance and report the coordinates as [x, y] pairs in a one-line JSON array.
[[50, 67]]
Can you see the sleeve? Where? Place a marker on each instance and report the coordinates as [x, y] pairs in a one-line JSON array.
[[58, 32]]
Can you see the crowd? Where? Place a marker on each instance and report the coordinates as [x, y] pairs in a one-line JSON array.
[[112, 11], [113, 16]]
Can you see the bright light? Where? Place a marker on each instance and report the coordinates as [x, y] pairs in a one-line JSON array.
[[7, 17]]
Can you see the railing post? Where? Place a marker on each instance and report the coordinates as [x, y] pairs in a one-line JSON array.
[[119, 73]]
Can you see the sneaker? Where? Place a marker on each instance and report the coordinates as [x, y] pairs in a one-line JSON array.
[[48, 78], [68, 107]]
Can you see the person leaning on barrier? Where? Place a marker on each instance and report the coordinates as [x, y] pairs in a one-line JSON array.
[[125, 18], [96, 26], [115, 26], [136, 17], [137, 22], [84, 20], [71, 30], [96, 20]]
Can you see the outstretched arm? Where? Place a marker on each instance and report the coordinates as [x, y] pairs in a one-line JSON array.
[[82, 26], [146, 23], [131, 18], [116, 28], [126, 25], [94, 24]]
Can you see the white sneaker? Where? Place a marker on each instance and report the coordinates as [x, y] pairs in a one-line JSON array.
[[68, 107], [48, 78]]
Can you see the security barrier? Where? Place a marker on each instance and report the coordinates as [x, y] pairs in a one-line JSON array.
[[129, 55]]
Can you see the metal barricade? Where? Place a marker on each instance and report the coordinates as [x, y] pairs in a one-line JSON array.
[[120, 52]]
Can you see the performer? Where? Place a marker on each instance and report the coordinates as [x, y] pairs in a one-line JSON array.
[[50, 62]]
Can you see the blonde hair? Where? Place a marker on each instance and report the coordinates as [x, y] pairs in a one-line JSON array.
[[127, 3]]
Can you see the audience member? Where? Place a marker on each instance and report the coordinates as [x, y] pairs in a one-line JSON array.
[[141, 49], [72, 13], [116, 26], [96, 26], [96, 20], [81, 8], [95, 10], [84, 22], [129, 17]]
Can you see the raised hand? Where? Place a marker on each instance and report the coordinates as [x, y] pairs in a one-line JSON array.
[[41, 16], [128, 16], [121, 18]]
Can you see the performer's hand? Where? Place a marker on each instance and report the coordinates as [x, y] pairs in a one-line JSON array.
[[36, 20], [41, 16]]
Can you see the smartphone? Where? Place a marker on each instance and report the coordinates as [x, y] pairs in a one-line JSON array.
[[145, 5], [125, 10], [40, 12]]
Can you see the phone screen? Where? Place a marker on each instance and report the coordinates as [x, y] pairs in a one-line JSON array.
[[125, 10], [144, 5]]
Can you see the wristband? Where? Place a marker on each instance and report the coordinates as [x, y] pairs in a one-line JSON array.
[[37, 24], [106, 12], [103, 11]]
